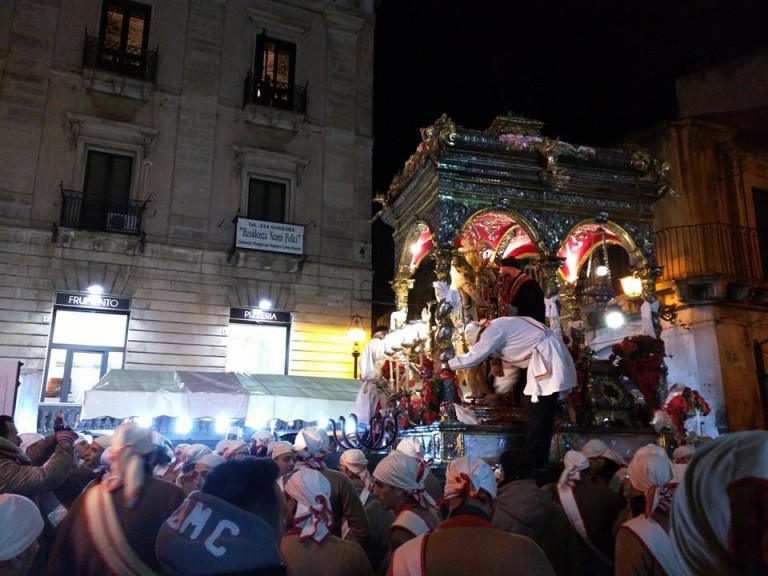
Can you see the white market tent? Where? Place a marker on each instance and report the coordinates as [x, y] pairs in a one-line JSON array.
[[298, 397], [253, 397]]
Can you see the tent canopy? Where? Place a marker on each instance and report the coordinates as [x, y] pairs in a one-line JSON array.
[[254, 397]]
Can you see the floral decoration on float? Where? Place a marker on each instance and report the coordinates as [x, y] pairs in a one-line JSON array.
[[641, 359], [682, 404], [420, 397]]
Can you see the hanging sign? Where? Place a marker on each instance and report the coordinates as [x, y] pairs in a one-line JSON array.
[[269, 236], [260, 316], [92, 301]]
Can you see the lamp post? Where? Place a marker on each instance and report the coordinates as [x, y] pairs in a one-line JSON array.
[[356, 334], [355, 356]]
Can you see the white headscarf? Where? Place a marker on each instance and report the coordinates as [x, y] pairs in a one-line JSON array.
[[276, 449], [264, 436], [573, 463], [231, 448], [682, 452], [312, 493], [406, 473], [414, 447], [28, 439], [21, 522], [719, 510], [194, 452], [596, 448], [651, 449], [651, 474], [210, 460], [311, 447], [130, 445], [470, 477], [103, 441], [356, 462]]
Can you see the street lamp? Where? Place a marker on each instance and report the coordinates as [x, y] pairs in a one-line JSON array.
[[356, 334]]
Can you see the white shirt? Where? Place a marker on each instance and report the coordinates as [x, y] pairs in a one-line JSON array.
[[524, 342], [373, 352]]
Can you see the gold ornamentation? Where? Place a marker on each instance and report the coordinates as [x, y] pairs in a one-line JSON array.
[[434, 139]]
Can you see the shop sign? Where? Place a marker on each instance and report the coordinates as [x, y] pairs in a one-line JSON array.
[[269, 236], [259, 316], [92, 301]]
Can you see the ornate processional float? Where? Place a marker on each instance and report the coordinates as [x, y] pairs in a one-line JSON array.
[[581, 218]]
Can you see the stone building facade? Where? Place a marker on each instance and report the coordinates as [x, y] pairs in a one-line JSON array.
[[136, 137], [712, 239]]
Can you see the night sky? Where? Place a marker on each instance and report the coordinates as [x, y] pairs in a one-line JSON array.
[[591, 70]]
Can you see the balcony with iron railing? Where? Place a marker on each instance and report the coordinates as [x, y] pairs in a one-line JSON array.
[[292, 98], [713, 249], [100, 214], [141, 65]]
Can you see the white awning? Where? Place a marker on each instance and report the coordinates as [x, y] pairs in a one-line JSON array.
[[254, 397], [298, 397]]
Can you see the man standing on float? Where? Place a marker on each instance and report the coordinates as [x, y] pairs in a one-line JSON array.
[[528, 344], [517, 294], [368, 403]]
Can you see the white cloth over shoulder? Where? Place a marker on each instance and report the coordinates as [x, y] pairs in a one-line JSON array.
[[647, 310], [552, 312], [372, 354]]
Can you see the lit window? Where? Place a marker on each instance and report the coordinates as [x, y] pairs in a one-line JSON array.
[[124, 37], [276, 65]]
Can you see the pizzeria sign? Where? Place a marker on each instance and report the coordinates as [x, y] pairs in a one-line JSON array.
[[269, 236]]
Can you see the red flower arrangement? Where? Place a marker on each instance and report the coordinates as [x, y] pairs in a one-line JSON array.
[[640, 358], [681, 404]]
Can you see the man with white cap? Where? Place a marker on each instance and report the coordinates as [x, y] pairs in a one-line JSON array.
[[681, 458], [604, 463], [526, 343], [311, 449], [308, 546], [719, 512], [643, 545], [22, 526], [203, 466], [413, 447], [282, 454], [232, 448], [191, 455], [112, 526], [467, 543], [592, 509], [260, 442], [354, 465], [399, 486], [92, 458], [683, 454]]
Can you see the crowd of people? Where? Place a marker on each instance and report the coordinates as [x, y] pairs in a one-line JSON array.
[[133, 504]]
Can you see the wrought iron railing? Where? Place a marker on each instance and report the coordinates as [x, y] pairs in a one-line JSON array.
[[98, 55], [100, 214], [275, 94], [709, 250]]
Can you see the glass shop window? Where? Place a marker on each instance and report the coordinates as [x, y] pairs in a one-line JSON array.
[[84, 346], [257, 349]]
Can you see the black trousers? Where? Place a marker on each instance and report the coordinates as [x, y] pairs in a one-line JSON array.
[[538, 430]]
